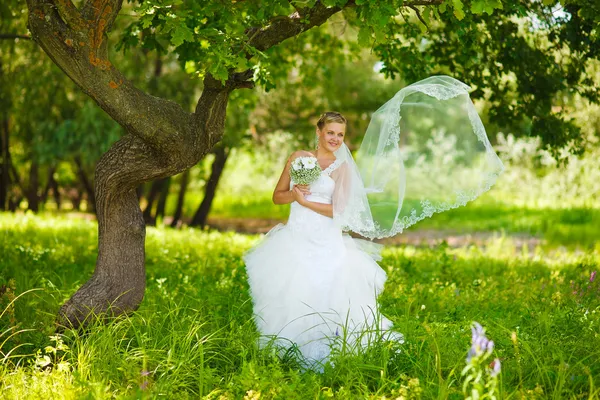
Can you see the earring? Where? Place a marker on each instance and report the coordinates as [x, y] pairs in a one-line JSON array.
[[317, 142]]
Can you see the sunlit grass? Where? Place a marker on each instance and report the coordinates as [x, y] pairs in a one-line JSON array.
[[193, 336], [569, 226]]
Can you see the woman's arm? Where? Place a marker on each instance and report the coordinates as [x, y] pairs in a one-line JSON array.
[[321, 208], [282, 193]]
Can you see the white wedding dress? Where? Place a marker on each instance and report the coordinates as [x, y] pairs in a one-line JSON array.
[[312, 285]]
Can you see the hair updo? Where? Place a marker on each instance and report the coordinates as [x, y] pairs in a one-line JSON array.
[[330, 116]]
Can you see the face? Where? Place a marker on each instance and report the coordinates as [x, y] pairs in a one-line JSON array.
[[331, 136]]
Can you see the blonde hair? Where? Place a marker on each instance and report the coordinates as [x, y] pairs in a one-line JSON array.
[[330, 116]]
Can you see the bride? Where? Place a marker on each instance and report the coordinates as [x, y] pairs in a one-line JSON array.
[[309, 282], [425, 151]]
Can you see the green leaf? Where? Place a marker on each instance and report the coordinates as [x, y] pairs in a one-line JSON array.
[[180, 34], [242, 63], [380, 36], [458, 9], [364, 36], [487, 6], [427, 15], [220, 73], [146, 20]]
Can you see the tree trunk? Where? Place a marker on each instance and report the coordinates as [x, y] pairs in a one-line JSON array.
[[46, 191], [87, 185], [162, 140], [55, 192], [118, 282], [139, 192], [185, 178], [33, 198], [210, 189], [15, 197], [162, 200], [5, 167], [76, 200], [155, 190]]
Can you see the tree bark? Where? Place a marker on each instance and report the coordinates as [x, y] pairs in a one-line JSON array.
[[55, 192], [140, 192], [210, 189], [162, 199], [13, 203], [185, 179], [46, 191], [33, 199]]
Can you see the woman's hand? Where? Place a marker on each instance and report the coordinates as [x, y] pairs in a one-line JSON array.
[[305, 189], [298, 195]]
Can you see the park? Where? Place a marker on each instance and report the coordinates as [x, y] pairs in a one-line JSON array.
[[141, 143]]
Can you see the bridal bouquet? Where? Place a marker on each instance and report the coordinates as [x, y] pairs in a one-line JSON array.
[[305, 170]]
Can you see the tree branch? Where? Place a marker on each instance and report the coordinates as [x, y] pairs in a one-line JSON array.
[[14, 36], [416, 10], [422, 3], [303, 19], [69, 14], [101, 13], [287, 27], [82, 53]]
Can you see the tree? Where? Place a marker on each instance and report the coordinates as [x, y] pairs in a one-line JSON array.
[[526, 61], [230, 46]]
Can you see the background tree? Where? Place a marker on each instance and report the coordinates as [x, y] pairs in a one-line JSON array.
[[236, 136], [527, 62]]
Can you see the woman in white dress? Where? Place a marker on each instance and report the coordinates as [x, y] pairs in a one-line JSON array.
[[310, 284], [425, 151]]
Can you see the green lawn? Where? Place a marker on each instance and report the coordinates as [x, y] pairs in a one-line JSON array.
[[193, 336]]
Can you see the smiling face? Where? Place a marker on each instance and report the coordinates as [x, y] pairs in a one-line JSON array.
[[331, 136]]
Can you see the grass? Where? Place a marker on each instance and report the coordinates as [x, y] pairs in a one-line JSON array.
[[193, 336], [572, 226]]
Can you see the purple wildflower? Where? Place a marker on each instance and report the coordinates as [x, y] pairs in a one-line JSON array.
[[336, 332], [495, 367], [477, 330], [593, 276], [479, 343]]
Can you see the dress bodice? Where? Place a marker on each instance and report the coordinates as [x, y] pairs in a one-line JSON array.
[[308, 222], [321, 191]]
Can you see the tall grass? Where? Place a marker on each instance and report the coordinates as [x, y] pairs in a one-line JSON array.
[[193, 336]]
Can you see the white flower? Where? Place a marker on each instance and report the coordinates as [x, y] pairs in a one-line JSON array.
[[296, 166]]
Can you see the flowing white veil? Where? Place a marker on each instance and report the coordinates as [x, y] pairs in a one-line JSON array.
[[425, 151]]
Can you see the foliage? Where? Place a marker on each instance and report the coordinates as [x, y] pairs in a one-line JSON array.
[[193, 336], [526, 61], [214, 38], [489, 44]]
